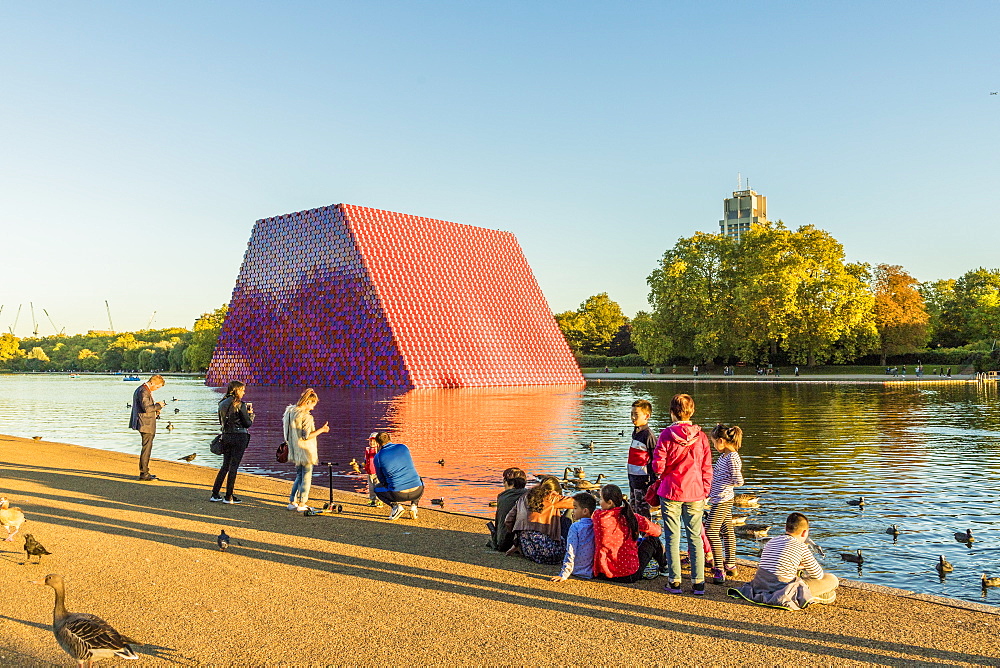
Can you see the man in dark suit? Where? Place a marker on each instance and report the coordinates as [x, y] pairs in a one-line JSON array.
[[144, 414]]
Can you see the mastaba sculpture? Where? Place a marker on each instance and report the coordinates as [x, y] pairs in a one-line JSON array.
[[357, 297]]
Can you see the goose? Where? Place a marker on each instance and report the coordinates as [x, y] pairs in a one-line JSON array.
[[965, 537], [746, 500], [437, 502], [990, 582], [621, 433], [176, 411], [893, 531], [580, 476], [585, 485], [589, 446], [853, 558], [755, 531], [36, 438], [10, 517], [859, 502], [441, 462], [494, 504], [943, 566], [739, 520], [170, 426], [86, 638]]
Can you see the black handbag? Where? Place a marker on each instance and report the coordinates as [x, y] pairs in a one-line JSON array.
[[281, 454], [216, 445]]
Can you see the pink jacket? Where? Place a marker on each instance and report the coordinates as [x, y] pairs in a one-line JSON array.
[[683, 460]]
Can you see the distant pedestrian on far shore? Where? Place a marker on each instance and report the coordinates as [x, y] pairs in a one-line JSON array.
[[949, 372], [145, 413]]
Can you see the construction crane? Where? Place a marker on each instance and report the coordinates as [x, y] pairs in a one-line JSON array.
[[16, 318], [57, 330], [34, 323], [109, 316], [151, 319]]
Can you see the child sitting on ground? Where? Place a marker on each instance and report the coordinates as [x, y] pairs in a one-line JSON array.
[[579, 559], [640, 455], [727, 474], [541, 531], [777, 581], [514, 480], [617, 555]]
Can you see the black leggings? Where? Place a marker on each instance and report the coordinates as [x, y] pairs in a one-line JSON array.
[[649, 548], [721, 534], [407, 495], [233, 447]]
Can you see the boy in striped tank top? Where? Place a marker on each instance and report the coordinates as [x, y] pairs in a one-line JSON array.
[[777, 581]]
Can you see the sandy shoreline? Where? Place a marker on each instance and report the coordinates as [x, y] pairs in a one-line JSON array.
[[355, 589]]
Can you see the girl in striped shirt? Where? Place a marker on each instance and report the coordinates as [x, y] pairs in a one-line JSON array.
[[727, 474]]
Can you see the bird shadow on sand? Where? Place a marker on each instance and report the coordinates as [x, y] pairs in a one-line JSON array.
[[437, 543]]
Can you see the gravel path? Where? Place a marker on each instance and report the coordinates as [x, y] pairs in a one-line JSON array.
[[354, 589]]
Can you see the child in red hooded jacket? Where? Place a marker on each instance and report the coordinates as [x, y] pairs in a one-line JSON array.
[[683, 460]]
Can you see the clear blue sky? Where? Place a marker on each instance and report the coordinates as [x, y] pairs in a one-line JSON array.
[[139, 141]]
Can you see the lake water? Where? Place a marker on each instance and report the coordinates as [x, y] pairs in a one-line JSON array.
[[925, 457]]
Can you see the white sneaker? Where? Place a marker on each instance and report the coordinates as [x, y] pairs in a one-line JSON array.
[[292, 506], [413, 511], [397, 512], [303, 507]]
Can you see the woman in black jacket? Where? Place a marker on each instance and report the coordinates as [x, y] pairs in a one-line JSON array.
[[235, 416]]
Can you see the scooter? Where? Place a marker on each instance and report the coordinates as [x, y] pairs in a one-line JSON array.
[[329, 508]]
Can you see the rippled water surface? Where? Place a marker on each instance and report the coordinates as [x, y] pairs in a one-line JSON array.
[[925, 457]]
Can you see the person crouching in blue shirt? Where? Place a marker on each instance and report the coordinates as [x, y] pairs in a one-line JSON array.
[[399, 482]]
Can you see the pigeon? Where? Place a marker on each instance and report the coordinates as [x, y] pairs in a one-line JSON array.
[[965, 537], [223, 540], [10, 518], [355, 466], [853, 558], [36, 438], [33, 548], [188, 458], [943, 566], [859, 502], [441, 462]]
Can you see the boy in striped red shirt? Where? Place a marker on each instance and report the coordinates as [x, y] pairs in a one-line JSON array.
[[640, 456]]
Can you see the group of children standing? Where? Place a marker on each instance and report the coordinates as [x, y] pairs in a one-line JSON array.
[[613, 536]]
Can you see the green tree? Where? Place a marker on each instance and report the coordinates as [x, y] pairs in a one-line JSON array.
[[652, 344], [691, 296], [198, 355], [945, 323], [900, 314], [977, 298], [592, 327], [10, 347], [833, 317]]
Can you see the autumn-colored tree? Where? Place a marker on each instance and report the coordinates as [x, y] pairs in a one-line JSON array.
[[900, 314]]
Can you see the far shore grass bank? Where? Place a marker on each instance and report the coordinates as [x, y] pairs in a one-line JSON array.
[[356, 589]]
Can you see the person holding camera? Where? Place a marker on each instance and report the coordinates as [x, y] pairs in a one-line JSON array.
[[235, 416], [145, 413]]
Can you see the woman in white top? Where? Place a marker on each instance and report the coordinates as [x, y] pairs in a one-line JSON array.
[[300, 435]]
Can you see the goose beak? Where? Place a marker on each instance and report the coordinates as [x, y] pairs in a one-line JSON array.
[[37, 582]]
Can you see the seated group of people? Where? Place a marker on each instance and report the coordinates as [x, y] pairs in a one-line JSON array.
[[603, 538]]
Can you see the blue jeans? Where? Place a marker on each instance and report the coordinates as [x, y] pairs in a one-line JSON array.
[[303, 481], [672, 514]]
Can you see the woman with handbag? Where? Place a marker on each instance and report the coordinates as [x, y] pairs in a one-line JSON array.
[[300, 435], [235, 416]]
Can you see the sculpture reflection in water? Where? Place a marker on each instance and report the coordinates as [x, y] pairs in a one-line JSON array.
[[478, 432]]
